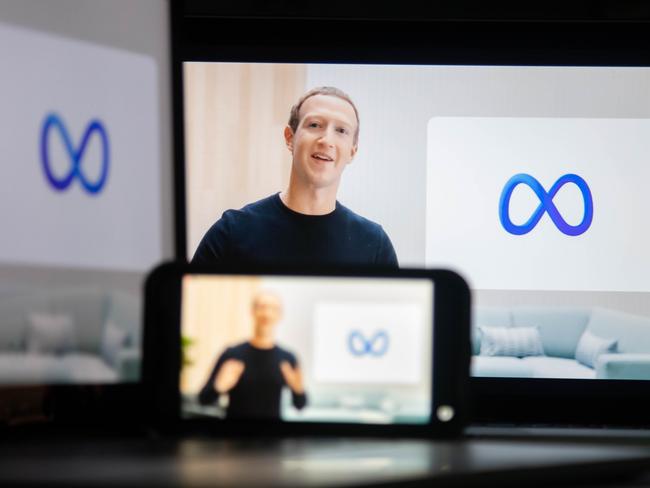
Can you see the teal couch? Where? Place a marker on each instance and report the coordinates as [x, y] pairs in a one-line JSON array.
[[88, 360], [560, 330]]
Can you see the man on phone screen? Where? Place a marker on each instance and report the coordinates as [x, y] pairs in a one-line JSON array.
[[253, 374]]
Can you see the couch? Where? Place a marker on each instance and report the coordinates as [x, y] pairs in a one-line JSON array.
[[103, 343], [560, 330]]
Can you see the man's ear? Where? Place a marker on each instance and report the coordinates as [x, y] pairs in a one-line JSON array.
[[353, 153], [288, 138]]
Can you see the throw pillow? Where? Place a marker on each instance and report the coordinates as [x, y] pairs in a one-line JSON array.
[[50, 333], [591, 346], [511, 341], [113, 340]]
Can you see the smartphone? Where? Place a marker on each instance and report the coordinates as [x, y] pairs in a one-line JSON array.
[[323, 351]]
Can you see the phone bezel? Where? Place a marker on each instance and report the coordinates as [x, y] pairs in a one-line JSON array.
[[161, 366]]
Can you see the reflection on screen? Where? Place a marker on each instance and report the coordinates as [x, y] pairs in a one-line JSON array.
[[84, 132], [307, 349]]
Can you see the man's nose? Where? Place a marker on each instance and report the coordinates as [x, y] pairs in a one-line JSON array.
[[327, 137]]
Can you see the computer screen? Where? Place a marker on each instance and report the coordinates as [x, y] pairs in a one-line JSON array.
[[85, 131], [307, 349], [528, 180]]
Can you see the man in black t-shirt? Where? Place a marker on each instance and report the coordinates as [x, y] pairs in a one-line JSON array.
[[305, 224], [254, 373]]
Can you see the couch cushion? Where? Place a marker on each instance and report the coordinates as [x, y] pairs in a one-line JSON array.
[[631, 331], [29, 369], [113, 340], [591, 346], [550, 367], [87, 368], [88, 309], [559, 327], [125, 311], [500, 367], [510, 341], [50, 333], [13, 319], [487, 317]]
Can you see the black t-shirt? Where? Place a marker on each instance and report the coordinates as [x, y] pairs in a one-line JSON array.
[[257, 393], [269, 232]]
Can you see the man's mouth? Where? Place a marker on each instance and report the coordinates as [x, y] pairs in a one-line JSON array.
[[322, 157]]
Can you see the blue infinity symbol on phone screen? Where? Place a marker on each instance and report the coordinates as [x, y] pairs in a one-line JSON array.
[[360, 345]]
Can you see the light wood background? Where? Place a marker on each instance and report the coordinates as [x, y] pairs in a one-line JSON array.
[[235, 115], [215, 314]]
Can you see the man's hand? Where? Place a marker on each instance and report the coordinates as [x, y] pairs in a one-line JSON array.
[[292, 377], [228, 375]]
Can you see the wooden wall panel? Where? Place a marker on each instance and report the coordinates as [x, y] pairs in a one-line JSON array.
[[235, 115], [216, 314]]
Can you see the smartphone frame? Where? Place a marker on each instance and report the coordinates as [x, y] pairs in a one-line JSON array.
[[162, 359]]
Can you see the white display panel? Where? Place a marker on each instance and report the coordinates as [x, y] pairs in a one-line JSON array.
[[368, 343], [115, 226], [470, 161]]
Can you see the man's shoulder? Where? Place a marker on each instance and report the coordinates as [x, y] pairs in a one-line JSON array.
[[373, 235], [359, 221], [259, 207], [286, 355], [233, 218], [237, 350]]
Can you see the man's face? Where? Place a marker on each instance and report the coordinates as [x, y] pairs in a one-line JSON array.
[[267, 312], [323, 143]]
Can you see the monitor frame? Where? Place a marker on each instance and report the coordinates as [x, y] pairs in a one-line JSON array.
[[438, 42]]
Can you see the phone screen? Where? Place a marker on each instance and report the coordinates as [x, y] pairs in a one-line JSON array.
[[307, 349]]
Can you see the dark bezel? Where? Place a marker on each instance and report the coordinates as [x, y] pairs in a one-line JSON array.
[[162, 354], [438, 40]]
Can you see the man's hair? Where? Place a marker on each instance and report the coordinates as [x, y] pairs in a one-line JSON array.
[[294, 116]]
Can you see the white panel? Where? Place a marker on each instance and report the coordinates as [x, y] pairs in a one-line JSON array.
[[120, 226], [386, 347], [471, 159]]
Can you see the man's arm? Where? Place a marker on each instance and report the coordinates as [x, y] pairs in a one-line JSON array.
[[228, 376], [293, 378], [209, 394]]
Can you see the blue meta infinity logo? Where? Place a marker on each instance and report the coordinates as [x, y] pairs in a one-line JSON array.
[[546, 205], [360, 345], [54, 122]]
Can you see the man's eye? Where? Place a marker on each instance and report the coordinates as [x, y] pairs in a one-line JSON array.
[[342, 130], [313, 124]]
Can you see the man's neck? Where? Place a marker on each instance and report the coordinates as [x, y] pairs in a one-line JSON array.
[[309, 201], [260, 342]]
